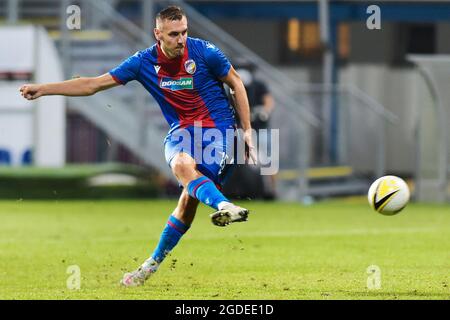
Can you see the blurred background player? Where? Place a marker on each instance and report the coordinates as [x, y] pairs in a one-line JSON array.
[[185, 75], [262, 105]]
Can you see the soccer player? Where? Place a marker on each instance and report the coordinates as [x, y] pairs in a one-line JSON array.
[[185, 76]]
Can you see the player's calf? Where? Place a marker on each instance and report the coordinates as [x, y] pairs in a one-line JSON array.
[[170, 236]]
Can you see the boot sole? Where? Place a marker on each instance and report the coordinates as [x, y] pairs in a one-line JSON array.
[[223, 218]]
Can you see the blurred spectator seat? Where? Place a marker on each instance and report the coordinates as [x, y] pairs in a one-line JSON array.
[[27, 157], [5, 157]]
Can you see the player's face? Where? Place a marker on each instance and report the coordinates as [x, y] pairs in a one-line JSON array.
[[172, 36]]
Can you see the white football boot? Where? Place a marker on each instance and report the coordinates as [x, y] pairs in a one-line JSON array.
[[230, 213], [138, 277]]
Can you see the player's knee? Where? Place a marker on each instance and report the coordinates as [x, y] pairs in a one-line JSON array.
[[182, 167]]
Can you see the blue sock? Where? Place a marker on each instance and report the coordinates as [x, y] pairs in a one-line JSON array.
[[170, 236], [206, 191]]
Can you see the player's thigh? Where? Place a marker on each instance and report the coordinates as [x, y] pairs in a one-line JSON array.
[[179, 154], [218, 154]]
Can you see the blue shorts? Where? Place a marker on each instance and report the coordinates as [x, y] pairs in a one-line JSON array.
[[211, 148]]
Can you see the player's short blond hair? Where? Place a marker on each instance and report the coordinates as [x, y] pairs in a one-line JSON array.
[[171, 13]]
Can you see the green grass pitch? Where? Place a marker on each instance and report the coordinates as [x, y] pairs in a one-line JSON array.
[[284, 251]]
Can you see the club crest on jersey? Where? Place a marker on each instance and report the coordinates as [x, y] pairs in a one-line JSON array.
[[177, 84], [190, 66]]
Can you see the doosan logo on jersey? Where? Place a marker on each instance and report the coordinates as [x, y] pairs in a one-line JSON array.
[[177, 84]]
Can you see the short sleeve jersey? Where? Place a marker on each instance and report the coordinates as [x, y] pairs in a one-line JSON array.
[[186, 88]]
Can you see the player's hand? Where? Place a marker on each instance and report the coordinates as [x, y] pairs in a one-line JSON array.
[[250, 151], [31, 91]]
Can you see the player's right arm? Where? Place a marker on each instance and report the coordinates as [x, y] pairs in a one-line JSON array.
[[85, 86]]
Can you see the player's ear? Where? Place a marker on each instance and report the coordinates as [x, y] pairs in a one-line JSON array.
[[157, 34]]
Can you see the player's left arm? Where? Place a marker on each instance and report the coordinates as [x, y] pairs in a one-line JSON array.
[[233, 80]]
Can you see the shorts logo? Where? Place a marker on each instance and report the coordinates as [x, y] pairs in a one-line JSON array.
[[190, 66], [177, 84]]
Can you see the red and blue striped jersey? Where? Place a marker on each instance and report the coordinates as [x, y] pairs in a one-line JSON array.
[[186, 88]]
